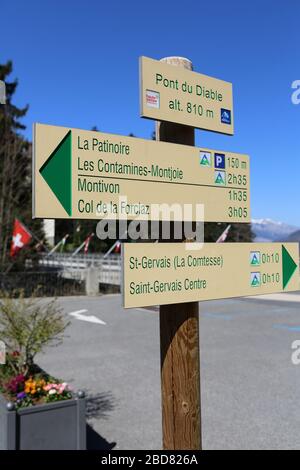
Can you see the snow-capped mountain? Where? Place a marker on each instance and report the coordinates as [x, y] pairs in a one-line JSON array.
[[267, 230], [294, 237]]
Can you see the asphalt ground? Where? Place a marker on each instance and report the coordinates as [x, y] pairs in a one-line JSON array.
[[250, 388]]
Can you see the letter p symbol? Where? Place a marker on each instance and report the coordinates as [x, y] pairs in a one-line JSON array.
[[220, 160]]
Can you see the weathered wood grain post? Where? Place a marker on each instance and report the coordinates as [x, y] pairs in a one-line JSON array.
[[179, 338]]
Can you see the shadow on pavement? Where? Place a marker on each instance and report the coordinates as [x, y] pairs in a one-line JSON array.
[[96, 442], [98, 406]]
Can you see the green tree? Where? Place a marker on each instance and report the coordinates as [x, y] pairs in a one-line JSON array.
[[237, 232], [27, 326], [15, 173]]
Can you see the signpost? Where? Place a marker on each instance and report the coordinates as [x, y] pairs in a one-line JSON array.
[[178, 95], [83, 174], [179, 340], [172, 273], [90, 175]]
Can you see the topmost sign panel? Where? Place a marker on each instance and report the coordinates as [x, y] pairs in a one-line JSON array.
[[178, 95]]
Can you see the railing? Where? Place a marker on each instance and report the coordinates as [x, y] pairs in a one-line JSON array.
[[80, 260], [43, 283], [109, 269]]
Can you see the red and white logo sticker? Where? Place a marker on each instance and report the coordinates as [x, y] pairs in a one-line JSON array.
[[152, 99]]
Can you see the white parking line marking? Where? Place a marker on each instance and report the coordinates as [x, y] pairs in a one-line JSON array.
[[78, 311], [89, 318]]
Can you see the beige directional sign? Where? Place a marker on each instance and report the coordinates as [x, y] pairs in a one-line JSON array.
[[89, 175], [174, 94], [167, 273]]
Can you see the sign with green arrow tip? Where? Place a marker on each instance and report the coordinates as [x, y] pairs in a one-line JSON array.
[[166, 273], [57, 173], [289, 266], [91, 175]]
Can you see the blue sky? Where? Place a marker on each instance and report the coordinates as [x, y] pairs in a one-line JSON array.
[[77, 65]]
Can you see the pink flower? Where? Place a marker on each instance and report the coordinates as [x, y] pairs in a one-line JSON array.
[[50, 386], [62, 387]]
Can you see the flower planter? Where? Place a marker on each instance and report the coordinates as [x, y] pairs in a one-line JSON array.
[[59, 425]]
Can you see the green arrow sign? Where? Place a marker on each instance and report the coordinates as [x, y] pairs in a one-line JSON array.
[[177, 272], [86, 175], [56, 171], [288, 267]]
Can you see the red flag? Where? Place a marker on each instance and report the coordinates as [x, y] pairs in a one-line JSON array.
[[117, 247], [87, 242], [21, 237]]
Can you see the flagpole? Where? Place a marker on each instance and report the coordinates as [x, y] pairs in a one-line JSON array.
[[82, 244], [9, 268], [78, 249], [39, 241], [111, 248], [57, 245], [114, 245], [87, 243], [223, 236]]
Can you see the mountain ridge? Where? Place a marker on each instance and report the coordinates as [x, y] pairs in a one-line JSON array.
[[268, 230]]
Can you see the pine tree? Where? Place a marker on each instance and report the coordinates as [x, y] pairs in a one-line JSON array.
[[15, 173]]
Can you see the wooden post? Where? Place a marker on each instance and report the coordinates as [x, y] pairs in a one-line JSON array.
[[179, 338]]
